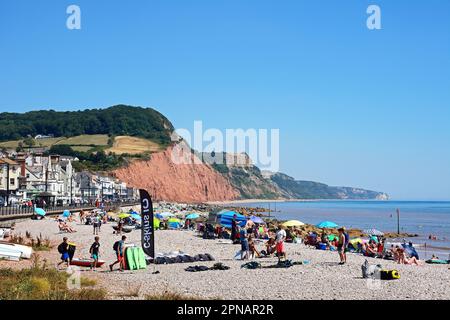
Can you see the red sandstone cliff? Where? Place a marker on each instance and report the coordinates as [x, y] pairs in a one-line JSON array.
[[169, 181]]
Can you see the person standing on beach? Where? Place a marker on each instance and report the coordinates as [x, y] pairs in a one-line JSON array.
[[95, 251], [244, 244], [249, 225], [95, 223], [63, 249], [233, 228], [120, 226], [82, 220], [280, 238], [341, 246], [119, 249]]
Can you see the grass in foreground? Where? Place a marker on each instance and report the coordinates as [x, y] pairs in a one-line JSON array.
[[40, 283], [170, 295]]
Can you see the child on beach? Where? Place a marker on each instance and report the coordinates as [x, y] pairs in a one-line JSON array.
[[82, 218], [252, 248], [94, 251], [280, 238], [119, 249], [244, 244], [63, 249], [270, 246], [96, 223]]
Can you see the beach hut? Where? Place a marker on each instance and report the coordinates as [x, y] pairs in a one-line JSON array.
[[293, 223], [227, 216], [327, 225]]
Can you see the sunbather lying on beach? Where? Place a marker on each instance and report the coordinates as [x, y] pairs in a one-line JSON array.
[[411, 261], [65, 227]]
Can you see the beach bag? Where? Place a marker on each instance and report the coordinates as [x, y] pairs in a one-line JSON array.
[[219, 266], [347, 239], [389, 274], [251, 265], [61, 248], [284, 264], [116, 246]]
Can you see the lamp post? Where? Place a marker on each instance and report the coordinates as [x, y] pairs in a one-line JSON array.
[[398, 221], [71, 188], [7, 183]]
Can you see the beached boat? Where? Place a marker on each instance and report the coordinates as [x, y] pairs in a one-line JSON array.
[[11, 255], [86, 262], [25, 251]]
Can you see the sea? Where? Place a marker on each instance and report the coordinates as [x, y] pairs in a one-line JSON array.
[[424, 218]]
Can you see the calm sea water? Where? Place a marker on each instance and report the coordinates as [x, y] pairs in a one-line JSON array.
[[418, 217]]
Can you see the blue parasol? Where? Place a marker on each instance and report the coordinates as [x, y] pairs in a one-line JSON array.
[[40, 211], [327, 224]]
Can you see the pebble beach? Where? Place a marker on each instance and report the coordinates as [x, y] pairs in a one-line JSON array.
[[320, 278]]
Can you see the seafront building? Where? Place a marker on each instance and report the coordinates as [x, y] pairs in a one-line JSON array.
[[53, 179]]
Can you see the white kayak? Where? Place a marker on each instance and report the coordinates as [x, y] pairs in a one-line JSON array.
[[25, 251]]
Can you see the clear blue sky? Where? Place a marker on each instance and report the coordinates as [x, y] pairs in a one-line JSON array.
[[354, 107]]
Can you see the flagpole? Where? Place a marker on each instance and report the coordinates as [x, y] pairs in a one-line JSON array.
[[398, 221]]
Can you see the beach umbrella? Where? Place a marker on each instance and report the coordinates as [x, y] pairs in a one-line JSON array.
[[40, 211], [257, 220], [292, 223], [159, 216], [135, 216], [327, 224], [227, 216], [192, 216], [174, 220], [66, 214], [123, 215], [373, 232], [166, 215]]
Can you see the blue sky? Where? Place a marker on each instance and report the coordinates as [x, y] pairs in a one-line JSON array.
[[354, 107]]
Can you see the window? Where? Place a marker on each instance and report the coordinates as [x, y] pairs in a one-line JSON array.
[[11, 181], [28, 176]]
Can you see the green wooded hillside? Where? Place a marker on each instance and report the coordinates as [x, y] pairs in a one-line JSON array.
[[117, 120]]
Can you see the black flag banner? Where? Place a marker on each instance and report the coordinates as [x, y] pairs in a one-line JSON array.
[[147, 234]]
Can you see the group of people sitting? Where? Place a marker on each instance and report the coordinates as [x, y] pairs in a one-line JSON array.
[[400, 256]]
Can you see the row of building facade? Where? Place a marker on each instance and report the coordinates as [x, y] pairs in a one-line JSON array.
[[53, 179]]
